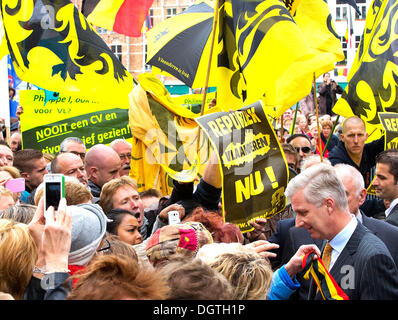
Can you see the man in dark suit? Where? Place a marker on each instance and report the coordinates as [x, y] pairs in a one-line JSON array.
[[360, 262], [356, 195], [290, 238], [386, 182]]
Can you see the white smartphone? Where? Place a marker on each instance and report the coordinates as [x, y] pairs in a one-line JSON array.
[[54, 190], [174, 217]]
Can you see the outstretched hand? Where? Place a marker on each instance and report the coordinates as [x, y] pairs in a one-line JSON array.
[[259, 229], [52, 235], [294, 265], [261, 247]]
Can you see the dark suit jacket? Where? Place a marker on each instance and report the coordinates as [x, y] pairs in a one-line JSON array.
[[393, 216], [386, 232], [299, 236], [364, 269], [280, 236]]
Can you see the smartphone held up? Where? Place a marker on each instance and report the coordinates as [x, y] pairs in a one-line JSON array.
[[174, 217], [54, 190]]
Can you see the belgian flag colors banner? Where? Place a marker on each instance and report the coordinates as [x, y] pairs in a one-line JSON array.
[[327, 286], [122, 16]]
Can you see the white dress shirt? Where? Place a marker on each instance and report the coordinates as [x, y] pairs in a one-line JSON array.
[[340, 240], [392, 205]]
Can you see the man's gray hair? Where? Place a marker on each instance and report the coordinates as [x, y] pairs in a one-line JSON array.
[[121, 140], [345, 170], [62, 146], [318, 183], [312, 160]]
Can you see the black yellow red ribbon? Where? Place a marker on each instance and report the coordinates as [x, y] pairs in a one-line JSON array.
[[327, 286]]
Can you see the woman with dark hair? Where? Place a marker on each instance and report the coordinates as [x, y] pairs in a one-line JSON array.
[[125, 225]]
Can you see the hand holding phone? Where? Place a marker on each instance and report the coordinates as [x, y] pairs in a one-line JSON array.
[[174, 217]]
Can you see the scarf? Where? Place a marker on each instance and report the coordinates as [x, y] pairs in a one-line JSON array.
[[327, 286]]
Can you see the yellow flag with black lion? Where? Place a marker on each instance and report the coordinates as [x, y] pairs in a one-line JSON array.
[[53, 47]]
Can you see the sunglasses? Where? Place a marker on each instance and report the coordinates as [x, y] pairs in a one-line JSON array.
[[303, 149]]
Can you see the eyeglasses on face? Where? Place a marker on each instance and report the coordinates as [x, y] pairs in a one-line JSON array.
[[82, 155], [303, 149], [105, 246], [125, 156]]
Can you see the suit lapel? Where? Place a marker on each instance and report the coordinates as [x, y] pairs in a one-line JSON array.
[[393, 214], [346, 257]]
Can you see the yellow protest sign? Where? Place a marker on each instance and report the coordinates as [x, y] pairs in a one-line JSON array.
[[44, 126], [193, 102]]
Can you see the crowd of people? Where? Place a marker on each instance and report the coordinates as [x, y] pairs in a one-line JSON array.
[[109, 241]]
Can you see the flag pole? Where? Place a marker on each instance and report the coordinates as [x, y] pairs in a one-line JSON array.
[[294, 119], [202, 109], [4, 95], [282, 139], [317, 119], [213, 35]]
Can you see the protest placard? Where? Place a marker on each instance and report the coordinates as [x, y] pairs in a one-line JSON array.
[[252, 164], [45, 125]]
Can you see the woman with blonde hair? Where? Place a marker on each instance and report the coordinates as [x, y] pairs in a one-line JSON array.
[[18, 255], [327, 127], [6, 198], [250, 274], [40, 248]]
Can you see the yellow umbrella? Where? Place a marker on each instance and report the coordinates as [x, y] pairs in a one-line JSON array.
[[180, 45]]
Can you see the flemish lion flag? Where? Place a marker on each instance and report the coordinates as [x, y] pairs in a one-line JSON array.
[[373, 78], [122, 16], [263, 54], [311, 15], [53, 46]]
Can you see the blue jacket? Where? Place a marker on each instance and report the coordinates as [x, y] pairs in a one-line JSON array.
[[282, 286]]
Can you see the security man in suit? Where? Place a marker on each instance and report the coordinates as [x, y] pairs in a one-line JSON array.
[[359, 261], [386, 182]]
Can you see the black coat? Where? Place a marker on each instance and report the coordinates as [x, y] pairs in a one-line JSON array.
[[54, 286], [334, 140], [366, 259], [323, 90], [393, 216], [370, 151], [300, 236]]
